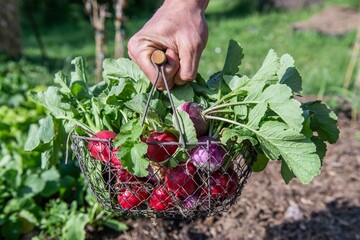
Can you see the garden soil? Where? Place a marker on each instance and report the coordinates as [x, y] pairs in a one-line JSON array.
[[327, 208]]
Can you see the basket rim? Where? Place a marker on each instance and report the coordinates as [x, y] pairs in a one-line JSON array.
[[207, 142]]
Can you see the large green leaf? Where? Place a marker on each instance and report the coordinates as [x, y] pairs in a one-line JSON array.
[[279, 99], [29, 217], [130, 131], [187, 129], [286, 173], [38, 134], [132, 158], [256, 114], [288, 74], [299, 152], [52, 182], [33, 184], [322, 120], [62, 81], [233, 58], [79, 73], [184, 93], [54, 102], [125, 68], [74, 228], [234, 81], [138, 104], [238, 135], [122, 91], [268, 69]]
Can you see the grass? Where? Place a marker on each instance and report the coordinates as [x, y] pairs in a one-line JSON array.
[[322, 60]]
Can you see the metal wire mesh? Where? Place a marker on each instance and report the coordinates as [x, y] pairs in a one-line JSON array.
[[189, 189]]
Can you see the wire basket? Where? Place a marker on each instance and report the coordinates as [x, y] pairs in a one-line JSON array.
[[199, 191], [193, 179]]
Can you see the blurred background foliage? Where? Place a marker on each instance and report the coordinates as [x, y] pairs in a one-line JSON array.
[[53, 203], [66, 33]]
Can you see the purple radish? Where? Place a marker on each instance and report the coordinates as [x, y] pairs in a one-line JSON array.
[[208, 159], [194, 111]]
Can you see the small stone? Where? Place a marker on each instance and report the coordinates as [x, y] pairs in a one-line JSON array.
[[293, 212]]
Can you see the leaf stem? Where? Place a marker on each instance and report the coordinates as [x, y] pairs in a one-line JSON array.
[[218, 129], [80, 124], [211, 109], [87, 117], [229, 121]]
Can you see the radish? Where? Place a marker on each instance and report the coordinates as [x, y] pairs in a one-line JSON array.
[[182, 180], [159, 152], [101, 150], [191, 202], [132, 197], [208, 159], [160, 198], [194, 111], [222, 185], [123, 176]]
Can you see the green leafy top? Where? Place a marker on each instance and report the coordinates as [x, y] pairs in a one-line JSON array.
[[259, 110], [263, 111]]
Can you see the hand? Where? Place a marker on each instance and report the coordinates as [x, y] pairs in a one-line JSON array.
[[180, 30]]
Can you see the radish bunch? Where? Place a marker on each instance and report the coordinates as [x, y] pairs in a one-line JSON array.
[[194, 180], [145, 146]]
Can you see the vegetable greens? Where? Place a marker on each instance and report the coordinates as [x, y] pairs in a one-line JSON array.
[[262, 111]]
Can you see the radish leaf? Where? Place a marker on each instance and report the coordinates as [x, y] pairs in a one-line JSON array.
[[132, 158], [295, 149]]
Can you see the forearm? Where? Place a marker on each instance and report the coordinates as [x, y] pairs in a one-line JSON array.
[[201, 4]]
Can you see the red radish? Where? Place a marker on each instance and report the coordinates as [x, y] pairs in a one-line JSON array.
[[210, 159], [158, 152], [222, 185], [132, 197], [232, 185], [194, 111], [182, 180], [124, 176], [160, 198], [101, 150]]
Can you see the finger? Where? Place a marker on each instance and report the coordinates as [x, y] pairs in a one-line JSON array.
[[140, 52], [142, 59], [189, 62], [171, 68]]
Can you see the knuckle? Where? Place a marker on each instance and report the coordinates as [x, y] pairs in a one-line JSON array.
[[188, 76], [132, 45]]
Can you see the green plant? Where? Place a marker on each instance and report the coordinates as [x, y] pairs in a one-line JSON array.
[[240, 109], [16, 78], [34, 192], [68, 221]]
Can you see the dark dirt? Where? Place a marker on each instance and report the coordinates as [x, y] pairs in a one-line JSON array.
[[327, 208]]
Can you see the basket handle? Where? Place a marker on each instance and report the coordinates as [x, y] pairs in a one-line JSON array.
[[158, 58]]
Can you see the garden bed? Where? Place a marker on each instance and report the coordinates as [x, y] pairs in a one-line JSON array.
[[328, 208]]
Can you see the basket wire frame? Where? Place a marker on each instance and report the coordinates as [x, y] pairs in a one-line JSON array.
[[202, 190], [210, 192]]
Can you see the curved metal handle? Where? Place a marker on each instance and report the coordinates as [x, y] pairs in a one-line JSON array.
[[158, 58]]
